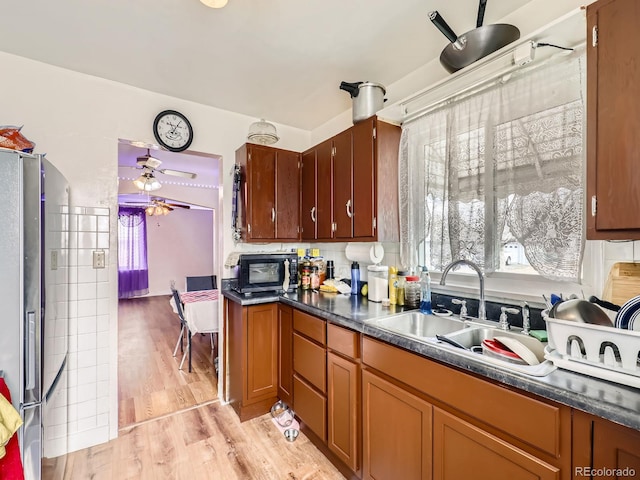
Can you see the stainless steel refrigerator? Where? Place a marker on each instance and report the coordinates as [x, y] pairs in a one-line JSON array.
[[34, 297]]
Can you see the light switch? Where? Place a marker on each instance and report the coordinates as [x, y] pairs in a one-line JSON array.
[[98, 259], [54, 259]]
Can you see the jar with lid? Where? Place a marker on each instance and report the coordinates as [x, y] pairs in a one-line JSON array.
[[412, 292], [378, 282], [305, 282], [315, 278], [400, 284]]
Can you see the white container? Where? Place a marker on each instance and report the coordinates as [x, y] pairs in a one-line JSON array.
[[378, 282]]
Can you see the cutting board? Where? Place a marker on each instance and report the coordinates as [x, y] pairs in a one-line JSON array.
[[623, 282]]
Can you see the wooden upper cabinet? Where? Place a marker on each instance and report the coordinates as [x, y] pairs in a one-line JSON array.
[[270, 194], [316, 214], [364, 178], [309, 209], [342, 185], [613, 119], [324, 190], [287, 195]]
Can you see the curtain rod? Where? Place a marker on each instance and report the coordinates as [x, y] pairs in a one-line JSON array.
[[490, 69]]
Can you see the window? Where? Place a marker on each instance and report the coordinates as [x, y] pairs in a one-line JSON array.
[[133, 272], [497, 177]]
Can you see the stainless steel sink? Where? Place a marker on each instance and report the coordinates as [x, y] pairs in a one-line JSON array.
[[417, 324], [473, 336]]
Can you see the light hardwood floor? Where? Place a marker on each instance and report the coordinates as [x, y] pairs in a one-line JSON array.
[[149, 382], [172, 425]]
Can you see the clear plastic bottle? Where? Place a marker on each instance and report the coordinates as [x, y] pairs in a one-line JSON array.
[[355, 278], [412, 291], [425, 291], [393, 285]]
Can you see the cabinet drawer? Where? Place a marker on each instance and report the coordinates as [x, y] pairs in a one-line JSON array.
[[310, 406], [313, 327], [310, 362], [344, 341]]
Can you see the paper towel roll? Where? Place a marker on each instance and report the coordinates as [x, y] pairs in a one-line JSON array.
[[366, 253]]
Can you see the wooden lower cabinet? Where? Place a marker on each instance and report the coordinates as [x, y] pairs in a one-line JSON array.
[[310, 406], [397, 428], [343, 409], [285, 354], [252, 344], [463, 450], [603, 449]]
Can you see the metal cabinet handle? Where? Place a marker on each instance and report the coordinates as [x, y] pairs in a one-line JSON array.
[[313, 214], [273, 214], [349, 212]]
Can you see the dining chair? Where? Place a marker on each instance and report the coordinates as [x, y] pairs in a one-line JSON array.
[[183, 322], [203, 282]]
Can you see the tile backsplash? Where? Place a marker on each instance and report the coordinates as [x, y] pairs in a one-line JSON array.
[[87, 393]]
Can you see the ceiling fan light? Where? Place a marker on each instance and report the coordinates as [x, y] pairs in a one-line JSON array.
[[150, 210], [147, 182], [262, 132], [214, 3]]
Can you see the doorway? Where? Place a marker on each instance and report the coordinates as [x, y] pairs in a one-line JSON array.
[[183, 240]]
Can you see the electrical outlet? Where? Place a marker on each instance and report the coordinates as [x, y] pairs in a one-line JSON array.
[[98, 259], [54, 259]]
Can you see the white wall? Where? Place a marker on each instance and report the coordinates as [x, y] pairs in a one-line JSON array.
[[178, 245], [77, 120]]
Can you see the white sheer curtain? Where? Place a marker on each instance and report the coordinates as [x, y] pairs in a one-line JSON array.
[[502, 165]]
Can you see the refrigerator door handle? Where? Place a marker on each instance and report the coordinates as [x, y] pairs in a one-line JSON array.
[[30, 352]]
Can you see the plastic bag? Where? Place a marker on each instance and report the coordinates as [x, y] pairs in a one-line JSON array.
[[11, 138]]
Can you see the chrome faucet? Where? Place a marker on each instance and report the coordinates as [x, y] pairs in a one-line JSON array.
[[482, 312], [526, 323]]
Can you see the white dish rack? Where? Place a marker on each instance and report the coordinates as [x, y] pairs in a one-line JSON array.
[[608, 353]]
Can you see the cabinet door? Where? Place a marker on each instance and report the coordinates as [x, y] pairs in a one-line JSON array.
[[462, 450], [324, 190], [287, 196], [396, 432], [615, 448], [613, 122], [309, 209], [261, 192], [262, 351], [285, 354], [364, 176], [343, 409], [342, 185]]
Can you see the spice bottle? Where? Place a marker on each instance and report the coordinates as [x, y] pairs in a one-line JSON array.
[[305, 282]]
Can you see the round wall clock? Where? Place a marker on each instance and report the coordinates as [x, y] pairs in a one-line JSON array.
[[173, 131]]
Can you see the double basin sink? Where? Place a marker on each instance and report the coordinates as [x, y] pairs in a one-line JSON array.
[[468, 334]]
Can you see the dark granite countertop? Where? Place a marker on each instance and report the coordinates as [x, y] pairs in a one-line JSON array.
[[611, 401]]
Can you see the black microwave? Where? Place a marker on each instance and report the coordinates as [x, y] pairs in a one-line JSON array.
[[267, 272]]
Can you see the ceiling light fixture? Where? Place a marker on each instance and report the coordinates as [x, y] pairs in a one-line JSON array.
[[263, 133], [214, 3], [152, 210], [147, 182]]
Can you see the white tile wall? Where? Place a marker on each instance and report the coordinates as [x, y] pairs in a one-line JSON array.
[[86, 402]]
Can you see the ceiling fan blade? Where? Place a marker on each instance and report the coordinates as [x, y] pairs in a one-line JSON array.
[[178, 205], [177, 173]]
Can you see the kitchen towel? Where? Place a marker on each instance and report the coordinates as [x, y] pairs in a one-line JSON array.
[[232, 260], [366, 253], [11, 463]]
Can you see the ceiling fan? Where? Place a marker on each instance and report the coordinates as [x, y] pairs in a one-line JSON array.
[[157, 206], [149, 165]]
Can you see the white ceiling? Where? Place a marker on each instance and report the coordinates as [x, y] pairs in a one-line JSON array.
[[281, 60]]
